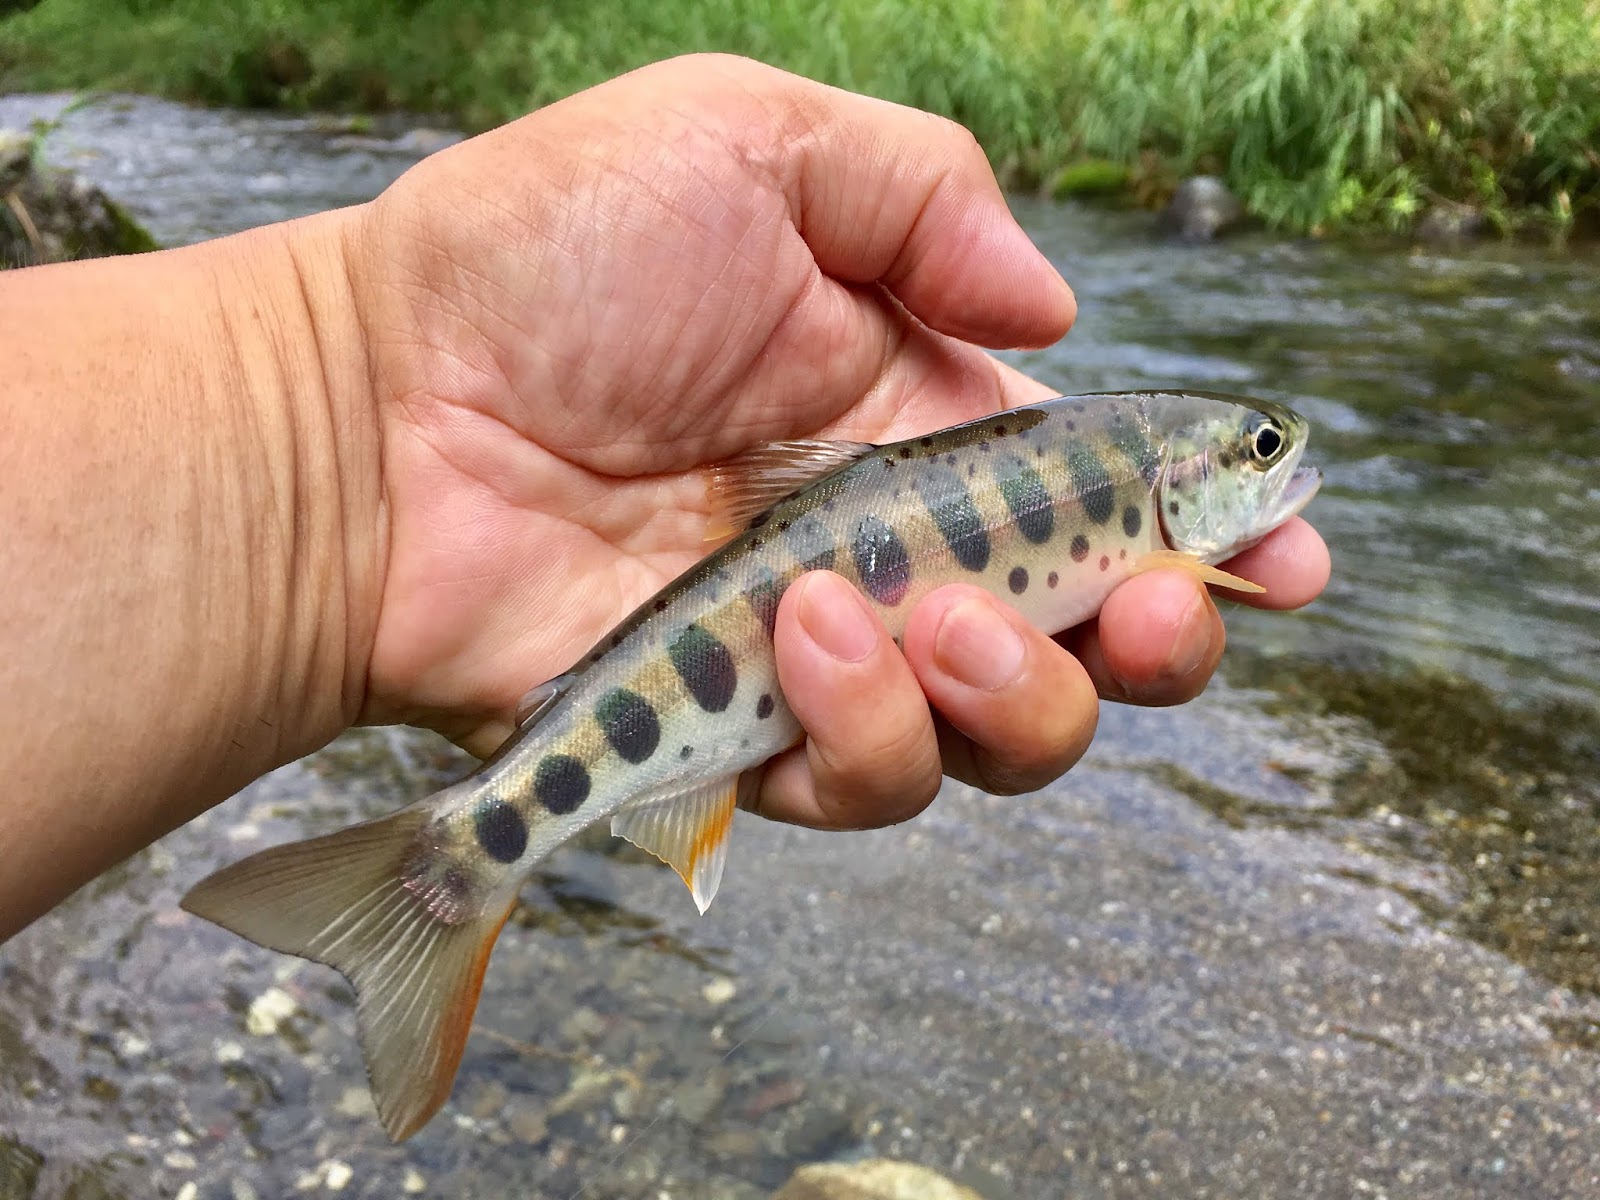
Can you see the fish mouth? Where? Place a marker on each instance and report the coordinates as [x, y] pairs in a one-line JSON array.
[[1297, 493]]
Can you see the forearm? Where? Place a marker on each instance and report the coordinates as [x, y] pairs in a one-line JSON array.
[[188, 489]]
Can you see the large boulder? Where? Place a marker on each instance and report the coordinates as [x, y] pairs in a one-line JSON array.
[[875, 1179], [52, 215], [1201, 208]]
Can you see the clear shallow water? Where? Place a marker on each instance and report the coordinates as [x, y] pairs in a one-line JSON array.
[[1330, 930]]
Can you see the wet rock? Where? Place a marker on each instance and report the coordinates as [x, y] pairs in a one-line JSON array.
[[269, 1011], [19, 1169], [1202, 208], [876, 1179], [51, 215], [1445, 223], [694, 1100], [822, 1130], [526, 1122]]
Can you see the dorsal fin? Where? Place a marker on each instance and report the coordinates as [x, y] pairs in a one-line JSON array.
[[742, 488]]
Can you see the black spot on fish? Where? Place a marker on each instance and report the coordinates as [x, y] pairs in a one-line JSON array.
[[501, 831], [561, 783], [783, 526], [1131, 521], [881, 561], [1105, 562], [760, 519], [999, 431], [1172, 507], [1029, 502], [953, 511], [1092, 484], [887, 463], [661, 606], [950, 460], [1122, 554], [686, 752], [1072, 427], [705, 666], [927, 443], [616, 640], [629, 723], [1052, 579], [764, 706], [905, 451], [1017, 581], [1080, 548], [983, 445]]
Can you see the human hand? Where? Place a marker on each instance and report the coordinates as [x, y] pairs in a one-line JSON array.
[[568, 318]]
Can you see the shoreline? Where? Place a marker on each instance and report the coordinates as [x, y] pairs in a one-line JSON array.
[[1449, 120]]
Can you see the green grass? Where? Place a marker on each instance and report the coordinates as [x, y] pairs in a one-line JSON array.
[[1319, 114]]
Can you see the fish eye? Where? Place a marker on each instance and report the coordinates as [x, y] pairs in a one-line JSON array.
[[1267, 442]]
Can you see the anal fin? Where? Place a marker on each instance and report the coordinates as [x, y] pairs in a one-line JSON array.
[[687, 830], [1204, 572]]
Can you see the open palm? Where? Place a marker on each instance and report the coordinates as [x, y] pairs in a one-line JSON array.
[[625, 287]]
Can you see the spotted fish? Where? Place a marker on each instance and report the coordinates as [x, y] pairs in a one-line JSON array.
[[1048, 506]]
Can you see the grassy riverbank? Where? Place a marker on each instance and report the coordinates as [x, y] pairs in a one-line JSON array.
[[1320, 115]]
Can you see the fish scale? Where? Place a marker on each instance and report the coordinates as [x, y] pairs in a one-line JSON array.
[[661, 725]]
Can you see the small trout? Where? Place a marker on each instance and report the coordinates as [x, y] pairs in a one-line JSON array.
[[1049, 507]]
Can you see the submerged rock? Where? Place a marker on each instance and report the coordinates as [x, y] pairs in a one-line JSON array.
[[1446, 223], [1202, 208], [52, 215], [876, 1179]]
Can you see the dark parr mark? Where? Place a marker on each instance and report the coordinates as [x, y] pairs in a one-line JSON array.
[[763, 600], [1131, 521], [561, 783], [705, 666], [1080, 548], [960, 524], [881, 561], [1092, 484], [1029, 502], [764, 706], [629, 723], [1017, 581], [501, 831], [1052, 579]]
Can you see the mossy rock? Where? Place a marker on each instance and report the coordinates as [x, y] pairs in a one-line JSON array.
[[1090, 177], [50, 215]]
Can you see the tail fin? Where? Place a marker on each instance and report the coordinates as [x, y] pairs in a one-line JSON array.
[[342, 900]]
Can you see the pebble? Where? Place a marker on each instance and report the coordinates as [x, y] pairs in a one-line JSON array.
[[413, 1184], [229, 1052], [719, 991], [525, 1122], [270, 1010], [337, 1175], [356, 1103], [188, 1192]]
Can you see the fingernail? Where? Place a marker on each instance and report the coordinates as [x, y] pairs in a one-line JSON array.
[[1190, 647], [977, 646], [837, 618]]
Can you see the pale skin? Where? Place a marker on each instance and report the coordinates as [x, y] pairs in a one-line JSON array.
[[402, 461]]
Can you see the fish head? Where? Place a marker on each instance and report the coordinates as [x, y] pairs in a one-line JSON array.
[[1231, 472]]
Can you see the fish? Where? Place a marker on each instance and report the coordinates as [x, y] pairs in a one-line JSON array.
[[663, 726]]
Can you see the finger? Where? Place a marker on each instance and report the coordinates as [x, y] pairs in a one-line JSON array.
[[1025, 706], [885, 193], [871, 757], [1292, 563], [1157, 641]]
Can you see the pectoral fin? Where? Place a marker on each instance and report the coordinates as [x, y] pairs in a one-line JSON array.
[[1204, 572], [687, 830]]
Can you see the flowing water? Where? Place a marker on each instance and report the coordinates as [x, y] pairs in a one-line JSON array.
[[1332, 930]]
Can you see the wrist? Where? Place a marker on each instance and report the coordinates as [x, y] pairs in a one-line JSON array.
[[299, 398]]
